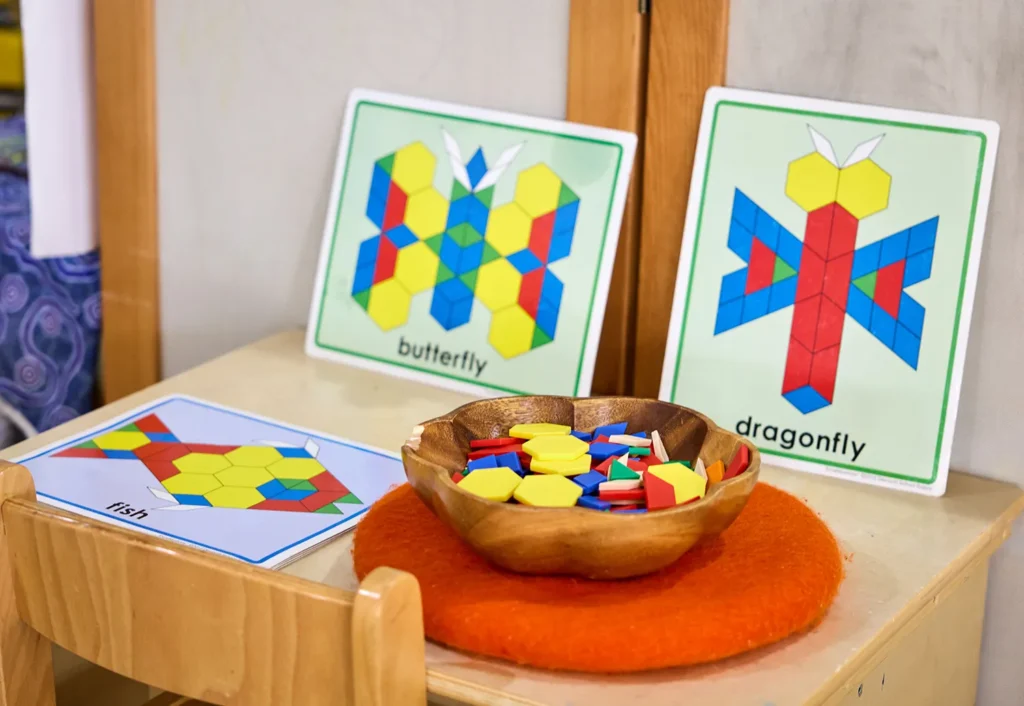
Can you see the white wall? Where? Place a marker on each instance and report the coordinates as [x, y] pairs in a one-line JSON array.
[[250, 97], [953, 57]]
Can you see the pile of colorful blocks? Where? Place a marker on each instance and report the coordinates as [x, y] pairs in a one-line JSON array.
[[552, 465]]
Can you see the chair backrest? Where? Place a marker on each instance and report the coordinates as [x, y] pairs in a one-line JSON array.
[[191, 622]]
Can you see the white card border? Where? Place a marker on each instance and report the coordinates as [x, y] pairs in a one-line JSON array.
[[989, 128], [276, 560], [626, 140]]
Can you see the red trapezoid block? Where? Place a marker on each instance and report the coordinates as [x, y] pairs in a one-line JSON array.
[[812, 275], [394, 212], [284, 505], [161, 470], [172, 452], [889, 287], [387, 254], [761, 268], [818, 232], [844, 232], [798, 367], [805, 321], [151, 424], [80, 453], [830, 325], [529, 292], [317, 500], [823, 372], [153, 448], [211, 448], [836, 285], [326, 481], [540, 235]]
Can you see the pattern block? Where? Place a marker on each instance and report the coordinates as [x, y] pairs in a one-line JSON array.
[[465, 248], [825, 277], [226, 476]]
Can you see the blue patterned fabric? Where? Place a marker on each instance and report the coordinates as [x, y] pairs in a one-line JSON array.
[[49, 309]]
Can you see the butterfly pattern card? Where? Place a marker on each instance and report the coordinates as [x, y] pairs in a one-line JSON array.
[[826, 281], [469, 248], [215, 478]]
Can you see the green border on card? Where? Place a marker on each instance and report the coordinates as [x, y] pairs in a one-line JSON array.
[[337, 215], [960, 296]]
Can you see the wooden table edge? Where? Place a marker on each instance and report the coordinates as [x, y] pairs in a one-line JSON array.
[[974, 557]]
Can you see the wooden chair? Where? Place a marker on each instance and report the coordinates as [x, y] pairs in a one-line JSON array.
[[190, 622]]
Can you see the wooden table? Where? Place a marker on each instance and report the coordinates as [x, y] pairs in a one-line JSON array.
[[905, 629]]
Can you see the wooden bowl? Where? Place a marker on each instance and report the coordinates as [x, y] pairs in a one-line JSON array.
[[576, 541]]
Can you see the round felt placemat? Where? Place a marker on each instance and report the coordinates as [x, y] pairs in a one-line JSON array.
[[772, 574]]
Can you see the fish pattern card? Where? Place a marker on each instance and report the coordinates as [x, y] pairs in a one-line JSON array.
[[469, 248], [215, 478], [826, 281]]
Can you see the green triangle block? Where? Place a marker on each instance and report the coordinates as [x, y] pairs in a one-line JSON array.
[[639, 451], [470, 279], [434, 243], [458, 191], [128, 427], [87, 445], [443, 273], [539, 338], [464, 234], [688, 464], [329, 509], [386, 163], [290, 482], [363, 298], [350, 499], [485, 196], [782, 270], [566, 195], [620, 471], [490, 254], [866, 283], [303, 485]]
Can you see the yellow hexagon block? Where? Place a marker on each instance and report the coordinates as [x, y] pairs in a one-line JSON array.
[[254, 456], [415, 268], [413, 169], [496, 484], [508, 228], [244, 477], [548, 491], [863, 189], [687, 484], [537, 190], [812, 182], [389, 304], [121, 440], [202, 463], [296, 468], [556, 447], [191, 484], [426, 213], [240, 498], [563, 468], [497, 284], [532, 431], [511, 331]]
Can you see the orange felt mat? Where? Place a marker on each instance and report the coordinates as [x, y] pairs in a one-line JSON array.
[[772, 574]]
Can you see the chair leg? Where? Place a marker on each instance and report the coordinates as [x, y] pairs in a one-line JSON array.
[[388, 649], [26, 659]]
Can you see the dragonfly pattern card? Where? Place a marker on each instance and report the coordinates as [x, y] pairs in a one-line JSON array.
[[469, 248], [826, 281], [215, 478]]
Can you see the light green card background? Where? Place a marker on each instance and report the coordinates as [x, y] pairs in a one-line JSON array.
[[589, 167], [879, 400]]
